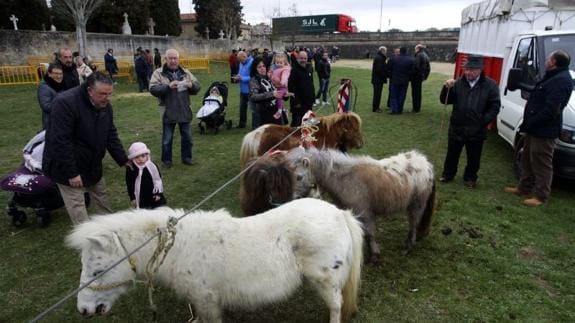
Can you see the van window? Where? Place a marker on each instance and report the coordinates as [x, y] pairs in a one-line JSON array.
[[526, 60], [564, 42]]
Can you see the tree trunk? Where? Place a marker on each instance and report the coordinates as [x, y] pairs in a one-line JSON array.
[[81, 38]]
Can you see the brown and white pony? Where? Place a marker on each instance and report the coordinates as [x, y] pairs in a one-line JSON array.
[[270, 181], [371, 188], [339, 131]]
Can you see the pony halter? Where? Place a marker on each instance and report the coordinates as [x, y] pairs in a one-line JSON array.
[[131, 261]]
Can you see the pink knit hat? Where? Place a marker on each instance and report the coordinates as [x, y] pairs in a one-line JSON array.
[[137, 149]]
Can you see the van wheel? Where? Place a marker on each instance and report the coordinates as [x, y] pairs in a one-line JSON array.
[[517, 156]]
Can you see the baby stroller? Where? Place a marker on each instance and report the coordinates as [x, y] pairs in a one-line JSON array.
[[213, 111], [30, 187]]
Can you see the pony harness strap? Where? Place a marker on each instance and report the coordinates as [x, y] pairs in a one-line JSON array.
[[131, 261], [308, 128]]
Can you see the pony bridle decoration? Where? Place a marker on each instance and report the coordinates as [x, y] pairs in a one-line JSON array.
[[110, 286], [308, 128]]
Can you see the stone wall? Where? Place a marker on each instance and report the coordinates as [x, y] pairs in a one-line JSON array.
[[16, 46], [441, 45]]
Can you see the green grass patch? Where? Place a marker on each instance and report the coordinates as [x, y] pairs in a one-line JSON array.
[[488, 258]]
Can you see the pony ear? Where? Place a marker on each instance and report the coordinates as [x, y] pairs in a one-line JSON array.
[[97, 242]]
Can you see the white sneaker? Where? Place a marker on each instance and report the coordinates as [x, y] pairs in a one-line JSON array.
[[325, 103], [316, 102]]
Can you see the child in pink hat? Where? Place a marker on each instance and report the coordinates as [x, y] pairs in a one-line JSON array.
[[143, 181]]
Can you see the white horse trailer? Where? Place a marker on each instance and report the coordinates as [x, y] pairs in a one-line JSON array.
[[520, 34]]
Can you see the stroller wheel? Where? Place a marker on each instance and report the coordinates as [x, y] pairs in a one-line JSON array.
[[229, 124], [18, 218], [43, 217], [202, 129]]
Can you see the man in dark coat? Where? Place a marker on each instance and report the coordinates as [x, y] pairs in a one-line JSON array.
[[80, 131], [71, 78], [378, 77], [400, 69], [476, 102], [542, 122], [300, 83], [157, 58], [110, 63], [141, 69], [421, 70], [323, 73]]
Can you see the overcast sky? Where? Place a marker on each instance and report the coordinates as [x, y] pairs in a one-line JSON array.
[[403, 14]]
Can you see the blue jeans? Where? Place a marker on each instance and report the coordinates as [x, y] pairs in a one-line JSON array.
[[323, 86], [167, 138]]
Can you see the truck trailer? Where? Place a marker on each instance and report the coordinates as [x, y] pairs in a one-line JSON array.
[[520, 34], [314, 24]]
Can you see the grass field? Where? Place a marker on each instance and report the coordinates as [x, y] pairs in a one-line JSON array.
[[488, 258]]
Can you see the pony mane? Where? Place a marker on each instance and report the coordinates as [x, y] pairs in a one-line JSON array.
[[326, 159], [268, 177], [101, 227], [330, 120]]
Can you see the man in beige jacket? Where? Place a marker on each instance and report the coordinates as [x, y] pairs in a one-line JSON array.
[[172, 85]]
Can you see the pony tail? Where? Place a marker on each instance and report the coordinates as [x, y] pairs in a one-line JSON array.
[[425, 222], [351, 287]]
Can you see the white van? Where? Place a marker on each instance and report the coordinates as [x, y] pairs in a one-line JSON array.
[[520, 34]]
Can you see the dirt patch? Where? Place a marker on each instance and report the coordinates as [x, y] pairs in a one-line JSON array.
[[436, 67], [529, 253], [540, 282]]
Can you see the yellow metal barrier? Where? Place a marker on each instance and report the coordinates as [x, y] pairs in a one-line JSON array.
[[12, 75], [38, 60], [196, 63], [125, 69]]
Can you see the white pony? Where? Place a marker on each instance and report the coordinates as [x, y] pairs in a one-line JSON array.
[[218, 261]]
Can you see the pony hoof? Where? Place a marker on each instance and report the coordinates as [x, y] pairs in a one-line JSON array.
[[373, 262], [407, 249]]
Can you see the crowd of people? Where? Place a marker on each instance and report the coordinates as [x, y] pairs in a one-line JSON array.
[[401, 70], [78, 118], [281, 76]]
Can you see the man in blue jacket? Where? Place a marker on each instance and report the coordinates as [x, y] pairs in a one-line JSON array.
[[400, 69], [243, 78], [542, 121]]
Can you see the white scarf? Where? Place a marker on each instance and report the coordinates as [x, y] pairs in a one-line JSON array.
[[156, 179]]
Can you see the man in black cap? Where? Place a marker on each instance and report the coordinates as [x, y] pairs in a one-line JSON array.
[[542, 122], [476, 102]]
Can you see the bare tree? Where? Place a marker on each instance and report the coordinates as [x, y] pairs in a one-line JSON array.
[[79, 11], [227, 19], [292, 10]]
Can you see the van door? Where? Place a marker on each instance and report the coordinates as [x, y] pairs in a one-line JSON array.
[[513, 102]]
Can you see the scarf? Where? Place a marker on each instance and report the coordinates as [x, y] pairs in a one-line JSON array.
[[58, 87], [156, 179]]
